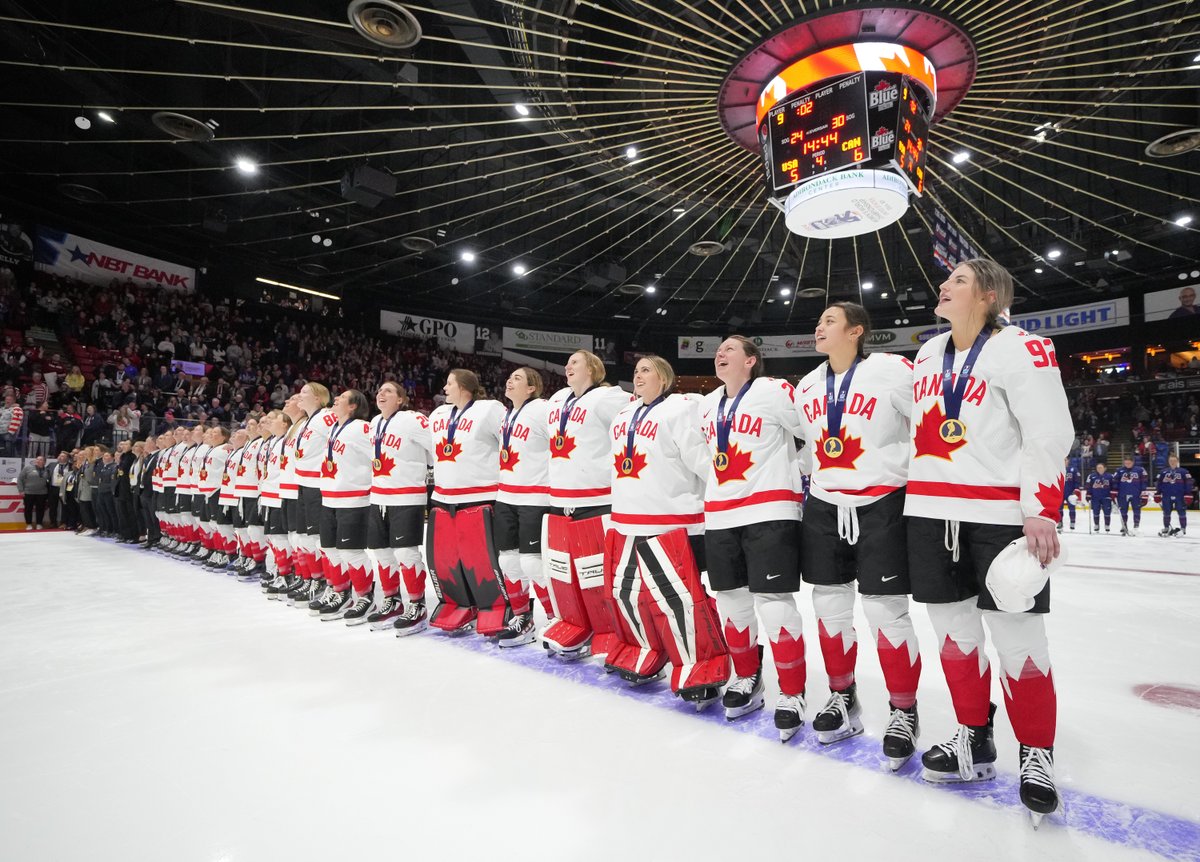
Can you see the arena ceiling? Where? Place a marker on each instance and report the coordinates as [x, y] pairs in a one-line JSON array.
[[577, 150]]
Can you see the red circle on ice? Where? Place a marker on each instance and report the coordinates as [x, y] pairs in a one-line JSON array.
[[1172, 696]]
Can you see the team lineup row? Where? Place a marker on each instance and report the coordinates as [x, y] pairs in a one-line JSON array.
[[663, 530]]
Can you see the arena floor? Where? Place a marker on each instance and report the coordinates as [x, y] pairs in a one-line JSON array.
[[154, 711]]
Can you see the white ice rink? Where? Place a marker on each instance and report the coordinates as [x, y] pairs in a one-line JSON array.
[[155, 711]]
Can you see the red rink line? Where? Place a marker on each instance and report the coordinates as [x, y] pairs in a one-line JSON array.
[[1172, 696], [1135, 571]]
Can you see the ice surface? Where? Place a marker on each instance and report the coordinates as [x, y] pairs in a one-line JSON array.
[[153, 710]]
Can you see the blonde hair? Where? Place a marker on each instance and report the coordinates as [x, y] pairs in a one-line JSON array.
[[321, 392], [662, 368], [595, 365], [469, 381], [990, 275]]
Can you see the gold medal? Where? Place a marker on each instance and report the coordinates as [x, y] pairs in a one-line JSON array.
[[377, 465], [627, 466], [952, 431], [559, 441], [503, 456], [329, 464], [448, 449], [833, 447], [721, 461]]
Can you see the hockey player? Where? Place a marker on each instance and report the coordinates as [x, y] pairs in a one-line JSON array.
[[460, 547], [185, 488], [1071, 482], [1174, 486], [277, 424], [249, 525], [751, 528], [1099, 487], [522, 502], [297, 586], [309, 449], [193, 463], [403, 451], [578, 420], [228, 501], [345, 498], [654, 552], [990, 430], [208, 488], [855, 412], [1131, 483]]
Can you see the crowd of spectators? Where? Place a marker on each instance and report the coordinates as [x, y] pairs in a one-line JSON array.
[[253, 357]]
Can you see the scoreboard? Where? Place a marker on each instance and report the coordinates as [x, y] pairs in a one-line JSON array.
[[866, 119]]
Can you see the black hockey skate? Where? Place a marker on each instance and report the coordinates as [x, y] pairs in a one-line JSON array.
[[900, 738], [356, 614], [789, 714], [840, 718], [1038, 792], [745, 694], [701, 696], [385, 613], [969, 756], [336, 603], [518, 632], [413, 620]]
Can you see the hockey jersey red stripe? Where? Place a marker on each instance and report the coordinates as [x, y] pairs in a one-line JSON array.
[[657, 520], [419, 489], [452, 492], [869, 491], [284, 486], [780, 495], [269, 495], [525, 489], [580, 492], [964, 492], [341, 495], [309, 474]]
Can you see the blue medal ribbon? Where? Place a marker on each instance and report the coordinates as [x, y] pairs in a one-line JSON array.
[[725, 425], [560, 440], [953, 430], [638, 415], [377, 464], [834, 407], [510, 420], [455, 417], [333, 435]]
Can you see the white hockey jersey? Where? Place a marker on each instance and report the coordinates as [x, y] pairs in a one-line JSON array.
[[208, 477], [185, 477], [580, 462], [170, 465], [289, 487], [269, 456], [346, 482], [467, 469], [760, 480], [870, 458], [660, 485], [525, 468], [405, 451], [227, 496], [311, 442], [1007, 465], [245, 485]]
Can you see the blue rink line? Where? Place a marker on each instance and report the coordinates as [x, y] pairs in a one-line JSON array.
[[1109, 820]]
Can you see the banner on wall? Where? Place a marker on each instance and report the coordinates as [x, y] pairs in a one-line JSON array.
[[542, 341], [450, 334], [87, 260], [1175, 303], [1076, 318], [489, 341], [950, 248]]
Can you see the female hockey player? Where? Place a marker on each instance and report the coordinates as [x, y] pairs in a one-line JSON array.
[[855, 412], [990, 430]]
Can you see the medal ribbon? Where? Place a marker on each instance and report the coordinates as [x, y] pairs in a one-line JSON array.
[[638, 415], [953, 389], [725, 423], [834, 406], [382, 433], [508, 425], [455, 418], [566, 410], [333, 435]]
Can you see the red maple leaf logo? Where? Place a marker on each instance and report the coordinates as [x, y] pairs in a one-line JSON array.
[[928, 438], [1051, 498], [448, 451], [635, 466], [839, 457], [241, 470], [509, 458], [283, 462], [385, 464], [329, 469], [299, 453], [203, 475], [225, 479], [561, 446], [735, 467]]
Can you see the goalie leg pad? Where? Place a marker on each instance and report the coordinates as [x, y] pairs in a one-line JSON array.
[[455, 609], [587, 550], [635, 651], [481, 568], [570, 631]]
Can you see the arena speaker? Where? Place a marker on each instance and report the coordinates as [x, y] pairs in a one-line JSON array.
[[368, 186]]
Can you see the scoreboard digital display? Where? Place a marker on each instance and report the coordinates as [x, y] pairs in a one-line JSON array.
[[816, 131], [867, 119]]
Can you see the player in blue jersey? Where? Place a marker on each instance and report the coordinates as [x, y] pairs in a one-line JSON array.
[[1071, 478], [1131, 481], [1099, 486], [1175, 486]]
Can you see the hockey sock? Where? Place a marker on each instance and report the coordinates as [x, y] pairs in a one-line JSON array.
[[1026, 677], [412, 573], [225, 537], [357, 570], [736, 608], [834, 607], [515, 586], [959, 630], [531, 571], [332, 568], [896, 641], [784, 625], [258, 548], [387, 575]]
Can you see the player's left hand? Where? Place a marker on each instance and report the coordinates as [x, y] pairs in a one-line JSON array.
[[1042, 539]]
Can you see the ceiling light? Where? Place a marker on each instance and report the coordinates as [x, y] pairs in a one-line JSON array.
[[785, 291], [651, 289], [83, 122], [454, 280], [868, 285], [678, 210], [1038, 270], [519, 269], [286, 286], [245, 166], [327, 242], [316, 238], [1183, 220], [787, 302], [106, 116], [960, 157], [883, 296], [467, 256], [1054, 254], [521, 109], [631, 152]]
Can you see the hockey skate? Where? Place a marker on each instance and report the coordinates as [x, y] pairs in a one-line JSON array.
[[900, 738], [1038, 792], [413, 620], [356, 614], [743, 696], [789, 714], [701, 696], [840, 718], [518, 632], [385, 614], [969, 756], [336, 604]]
